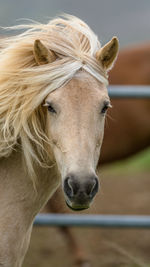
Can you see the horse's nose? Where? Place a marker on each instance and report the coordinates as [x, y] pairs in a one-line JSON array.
[[81, 189]]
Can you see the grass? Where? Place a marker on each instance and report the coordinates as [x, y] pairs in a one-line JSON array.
[[137, 163]]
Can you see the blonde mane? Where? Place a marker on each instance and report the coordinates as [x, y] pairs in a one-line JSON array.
[[24, 85]]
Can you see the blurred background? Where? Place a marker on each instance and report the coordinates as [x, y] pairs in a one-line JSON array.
[[125, 184], [129, 20]]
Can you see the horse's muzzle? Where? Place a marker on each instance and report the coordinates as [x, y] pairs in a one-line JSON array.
[[79, 192]]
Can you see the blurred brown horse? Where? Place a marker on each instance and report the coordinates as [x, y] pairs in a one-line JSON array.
[[132, 68]]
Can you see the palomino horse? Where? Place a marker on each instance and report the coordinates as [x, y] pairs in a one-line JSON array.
[[54, 99], [128, 123]]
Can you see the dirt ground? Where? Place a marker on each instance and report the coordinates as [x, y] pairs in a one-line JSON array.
[[121, 193]]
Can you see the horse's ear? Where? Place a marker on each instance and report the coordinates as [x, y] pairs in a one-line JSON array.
[[108, 53], [42, 54]]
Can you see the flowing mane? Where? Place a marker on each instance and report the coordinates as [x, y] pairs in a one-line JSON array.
[[24, 85]]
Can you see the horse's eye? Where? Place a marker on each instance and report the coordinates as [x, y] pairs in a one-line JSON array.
[[51, 109], [105, 107]]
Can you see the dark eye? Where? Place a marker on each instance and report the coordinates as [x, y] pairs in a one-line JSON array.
[[51, 109], [105, 107]]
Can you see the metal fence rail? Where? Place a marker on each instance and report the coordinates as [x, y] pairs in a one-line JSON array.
[[111, 221], [114, 221], [129, 91]]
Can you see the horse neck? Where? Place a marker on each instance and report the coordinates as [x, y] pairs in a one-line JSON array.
[[18, 188], [19, 203]]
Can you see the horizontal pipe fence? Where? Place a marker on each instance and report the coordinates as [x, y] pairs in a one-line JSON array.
[[112, 221], [129, 91]]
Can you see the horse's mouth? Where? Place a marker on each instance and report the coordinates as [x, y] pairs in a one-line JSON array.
[[77, 207]]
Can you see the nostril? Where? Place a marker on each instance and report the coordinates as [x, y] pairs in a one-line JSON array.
[[94, 188], [86, 189], [71, 186], [67, 187]]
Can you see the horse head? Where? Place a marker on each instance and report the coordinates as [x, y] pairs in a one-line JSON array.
[[75, 125]]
